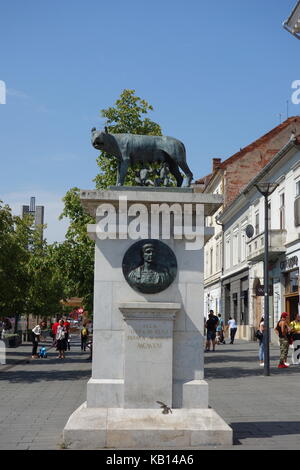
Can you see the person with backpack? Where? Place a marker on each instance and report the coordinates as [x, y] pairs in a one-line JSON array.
[[282, 330], [84, 334]]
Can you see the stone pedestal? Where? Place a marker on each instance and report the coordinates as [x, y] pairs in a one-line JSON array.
[[147, 347], [148, 352]]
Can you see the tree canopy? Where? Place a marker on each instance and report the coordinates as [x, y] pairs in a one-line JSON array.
[[127, 116], [35, 276]]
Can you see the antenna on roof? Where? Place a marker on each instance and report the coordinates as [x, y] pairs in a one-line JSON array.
[[287, 109], [279, 118]]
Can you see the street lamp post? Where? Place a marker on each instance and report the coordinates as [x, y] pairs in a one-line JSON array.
[[266, 189]]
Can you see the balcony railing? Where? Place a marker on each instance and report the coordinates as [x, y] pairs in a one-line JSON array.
[[256, 246]]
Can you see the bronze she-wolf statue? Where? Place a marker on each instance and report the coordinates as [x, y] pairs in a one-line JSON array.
[[130, 149]]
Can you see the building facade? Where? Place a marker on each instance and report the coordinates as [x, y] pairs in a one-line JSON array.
[[243, 276], [229, 178]]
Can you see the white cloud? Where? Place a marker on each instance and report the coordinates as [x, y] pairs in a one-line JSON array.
[[53, 204]]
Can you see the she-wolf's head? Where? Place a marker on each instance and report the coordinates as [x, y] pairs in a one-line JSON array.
[[98, 138]]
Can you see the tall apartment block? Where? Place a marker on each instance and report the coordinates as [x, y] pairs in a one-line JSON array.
[[36, 211]]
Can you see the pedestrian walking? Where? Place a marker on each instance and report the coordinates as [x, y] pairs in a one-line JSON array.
[[232, 329], [260, 337], [61, 343], [36, 334], [84, 334], [211, 327], [67, 325], [282, 330], [220, 330]]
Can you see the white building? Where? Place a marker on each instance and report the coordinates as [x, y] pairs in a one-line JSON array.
[[229, 178], [242, 279]]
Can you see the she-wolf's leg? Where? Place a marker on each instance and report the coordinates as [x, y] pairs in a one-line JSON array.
[[174, 170], [123, 171], [188, 174], [118, 173]]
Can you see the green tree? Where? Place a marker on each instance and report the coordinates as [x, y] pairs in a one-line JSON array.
[[46, 289], [127, 116], [29, 280], [14, 256], [75, 256]]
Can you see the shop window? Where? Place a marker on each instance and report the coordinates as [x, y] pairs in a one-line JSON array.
[[292, 282], [235, 304]]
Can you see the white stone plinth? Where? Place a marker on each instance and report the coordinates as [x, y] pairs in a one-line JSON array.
[[148, 373], [148, 347], [119, 428]]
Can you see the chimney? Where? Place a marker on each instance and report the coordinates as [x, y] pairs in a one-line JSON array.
[[216, 163]]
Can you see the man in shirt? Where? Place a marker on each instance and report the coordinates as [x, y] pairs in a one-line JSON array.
[[211, 327]]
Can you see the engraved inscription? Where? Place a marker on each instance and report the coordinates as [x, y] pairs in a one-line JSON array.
[[147, 335]]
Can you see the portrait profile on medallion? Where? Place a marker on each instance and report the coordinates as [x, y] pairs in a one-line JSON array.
[[149, 266]]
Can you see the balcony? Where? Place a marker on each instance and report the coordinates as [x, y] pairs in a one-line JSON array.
[[256, 246]]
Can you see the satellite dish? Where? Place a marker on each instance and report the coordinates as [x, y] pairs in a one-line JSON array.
[[249, 231]]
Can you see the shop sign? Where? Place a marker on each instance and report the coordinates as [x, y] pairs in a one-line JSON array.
[[289, 263]]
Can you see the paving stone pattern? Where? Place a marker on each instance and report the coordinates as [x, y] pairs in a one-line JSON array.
[[38, 396]]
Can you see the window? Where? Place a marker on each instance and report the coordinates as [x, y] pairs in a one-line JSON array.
[[298, 188], [291, 282], [282, 211], [256, 223], [227, 253], [211, 253], [218, 257], [235, 248], [243, 245]]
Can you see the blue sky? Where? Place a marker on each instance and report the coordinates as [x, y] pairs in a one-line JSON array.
[[217, 73]]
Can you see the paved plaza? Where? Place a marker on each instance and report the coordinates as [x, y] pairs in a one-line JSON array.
[[38, 396]]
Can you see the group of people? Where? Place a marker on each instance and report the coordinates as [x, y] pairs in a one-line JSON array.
[[287, 333], [215, 330], [60, 333]]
